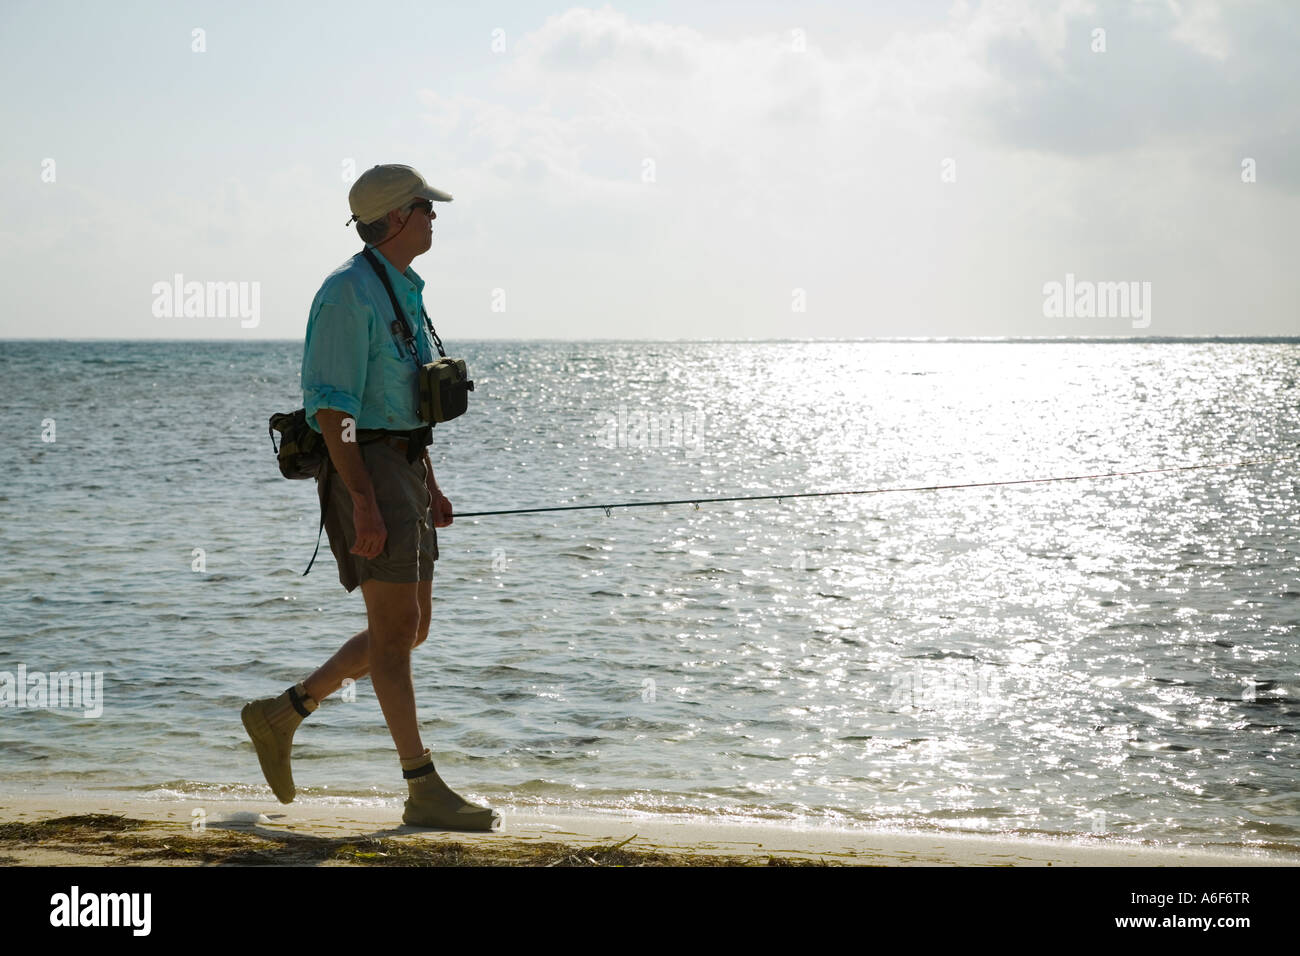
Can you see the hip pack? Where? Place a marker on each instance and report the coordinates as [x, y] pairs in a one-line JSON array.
[[302, 449]]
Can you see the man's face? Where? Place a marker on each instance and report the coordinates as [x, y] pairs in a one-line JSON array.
[[413, 231], [421, 223]]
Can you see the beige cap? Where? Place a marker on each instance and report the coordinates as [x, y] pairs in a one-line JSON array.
[[383, 188]]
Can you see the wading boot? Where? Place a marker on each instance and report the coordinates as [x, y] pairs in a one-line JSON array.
[[433, 804], [270, 723]]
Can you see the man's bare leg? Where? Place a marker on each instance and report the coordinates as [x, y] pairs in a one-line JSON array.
[[271, 722], [393, 611], [432, 802], [352, 660]]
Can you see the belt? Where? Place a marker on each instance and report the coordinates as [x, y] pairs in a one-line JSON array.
[[366, 435], [401, 442], [396, 441]]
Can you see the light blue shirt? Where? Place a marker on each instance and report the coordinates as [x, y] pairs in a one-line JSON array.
[[350, 359]]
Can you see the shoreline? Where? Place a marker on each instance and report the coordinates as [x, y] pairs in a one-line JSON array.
[[109, 830]]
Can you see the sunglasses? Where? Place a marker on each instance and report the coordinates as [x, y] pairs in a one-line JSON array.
[[423, 205]]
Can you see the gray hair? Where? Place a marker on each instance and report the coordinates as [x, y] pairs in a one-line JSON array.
[[373, 232]]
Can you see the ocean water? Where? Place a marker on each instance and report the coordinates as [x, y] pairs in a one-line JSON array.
[[1117, 659]]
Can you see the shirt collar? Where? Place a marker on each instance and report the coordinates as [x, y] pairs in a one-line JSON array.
[[410, 276]]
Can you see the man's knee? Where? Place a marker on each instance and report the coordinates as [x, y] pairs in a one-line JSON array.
[[394, 641], [395, 617], [425, 598]]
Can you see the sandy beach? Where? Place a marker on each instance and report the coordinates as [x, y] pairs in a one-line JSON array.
[[90, 830]]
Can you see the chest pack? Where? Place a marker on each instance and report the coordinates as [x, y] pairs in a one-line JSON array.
[[443, 385]]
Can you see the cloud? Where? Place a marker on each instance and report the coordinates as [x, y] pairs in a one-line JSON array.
[[688, 181], [1173, 75], [778, 167], [593, 92], [584, 41]]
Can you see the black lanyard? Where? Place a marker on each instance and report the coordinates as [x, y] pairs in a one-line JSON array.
[[400, 329]]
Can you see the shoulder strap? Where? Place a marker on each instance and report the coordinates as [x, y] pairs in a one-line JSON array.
[[397, 309], [324, 503], [436, 341]]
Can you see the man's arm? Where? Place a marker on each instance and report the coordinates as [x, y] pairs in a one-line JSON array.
[[345, 454], [370, 531]]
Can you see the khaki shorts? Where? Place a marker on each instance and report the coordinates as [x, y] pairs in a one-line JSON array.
[[407, 510]]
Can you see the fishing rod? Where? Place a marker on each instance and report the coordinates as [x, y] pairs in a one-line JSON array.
[[879, 491]]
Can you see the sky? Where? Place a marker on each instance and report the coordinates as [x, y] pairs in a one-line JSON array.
[[678, 170]]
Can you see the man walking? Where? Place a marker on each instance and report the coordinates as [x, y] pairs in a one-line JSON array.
[[382, 504]]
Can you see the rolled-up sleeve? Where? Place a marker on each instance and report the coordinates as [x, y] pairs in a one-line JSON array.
[[334, 358]]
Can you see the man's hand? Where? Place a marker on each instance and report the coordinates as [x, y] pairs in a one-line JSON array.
[[371, 533], [438, 502], [441, 509]]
